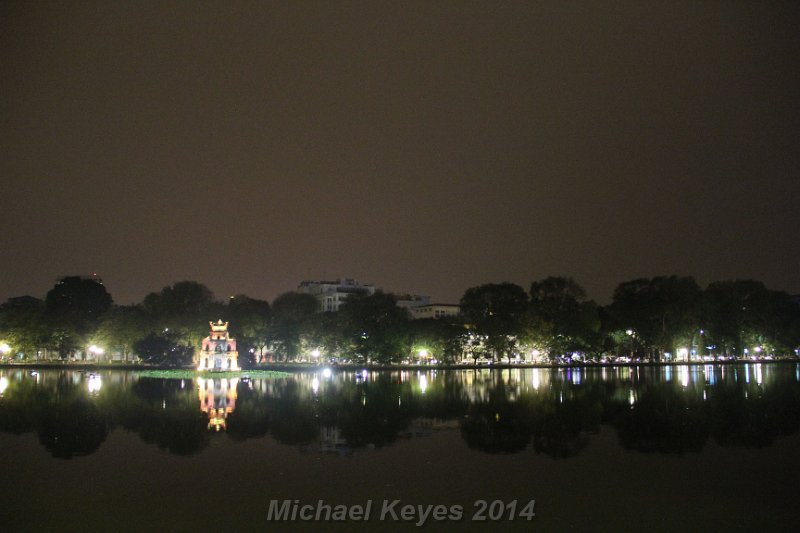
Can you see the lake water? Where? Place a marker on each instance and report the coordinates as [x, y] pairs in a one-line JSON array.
[[672, 448]]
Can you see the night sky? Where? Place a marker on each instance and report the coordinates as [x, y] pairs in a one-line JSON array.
[[425, 147]]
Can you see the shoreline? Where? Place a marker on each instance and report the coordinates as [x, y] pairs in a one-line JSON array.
[[350, 367]]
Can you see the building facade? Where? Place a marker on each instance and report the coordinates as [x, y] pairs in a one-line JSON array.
[[410, 301], [435, 311], [331, 295]]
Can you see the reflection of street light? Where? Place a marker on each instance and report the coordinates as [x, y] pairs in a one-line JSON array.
[[94, 384], [423, 383]]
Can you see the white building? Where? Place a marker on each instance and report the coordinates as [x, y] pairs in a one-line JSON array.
[[331, 295], [435, 311], [410, 301]]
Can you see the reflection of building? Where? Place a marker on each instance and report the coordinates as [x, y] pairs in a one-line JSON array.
[[331, 295], [219, 349], [217, 400]]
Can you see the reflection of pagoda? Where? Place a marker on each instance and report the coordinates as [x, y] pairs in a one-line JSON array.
[[219, 349], [217, 400]]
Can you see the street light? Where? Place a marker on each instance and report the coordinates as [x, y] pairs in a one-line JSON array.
[[631, 335], [423, 354], [96, 351]]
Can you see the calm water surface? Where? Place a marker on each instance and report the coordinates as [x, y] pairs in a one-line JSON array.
[[683, 448]]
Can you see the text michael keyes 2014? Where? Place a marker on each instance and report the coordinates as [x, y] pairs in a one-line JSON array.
[[395, 510]]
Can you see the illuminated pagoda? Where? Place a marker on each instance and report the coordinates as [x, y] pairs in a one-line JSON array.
[[219, 349]]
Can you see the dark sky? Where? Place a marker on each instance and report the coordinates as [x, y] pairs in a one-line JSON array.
[[421, 146]]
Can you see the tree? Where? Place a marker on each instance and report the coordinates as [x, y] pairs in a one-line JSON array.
[[183, 309], [122, 327], [440, 338], [659, 311], [291, 313], [496, 310], [744, 313], [75, 306], [376, 327], [250, 326], [323, 332], [561, 317], [164, 349], [24, 325]]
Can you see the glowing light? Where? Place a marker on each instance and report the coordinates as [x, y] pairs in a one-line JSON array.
[[536, 381], [423, 383], [315, 385], [631, 397], [94, 384], [5, 348], [423, 353], [683, 353], [3, 385], [326, 373], [758, 375], [536, 353], [684, 371], [629, 332], [315, 352], [364, 374]]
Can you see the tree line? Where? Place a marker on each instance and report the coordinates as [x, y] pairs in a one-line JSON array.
[[664, 317]]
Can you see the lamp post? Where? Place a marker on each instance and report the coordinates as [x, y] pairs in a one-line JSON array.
[[96, 351], [630, 334], [423, 354]]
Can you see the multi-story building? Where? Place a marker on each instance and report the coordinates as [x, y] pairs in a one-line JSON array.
[[331, 295], [92, 277], [435, 311], [410, 301]]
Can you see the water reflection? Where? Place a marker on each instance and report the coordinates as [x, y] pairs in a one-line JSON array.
[[217, 399], [672, 410]]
